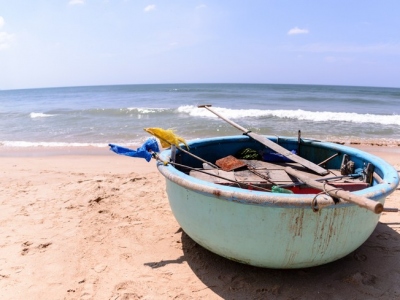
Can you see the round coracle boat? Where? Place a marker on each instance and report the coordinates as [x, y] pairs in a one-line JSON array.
[[264, 212]]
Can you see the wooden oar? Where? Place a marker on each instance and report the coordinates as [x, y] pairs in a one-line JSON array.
[[369, 204], [279, 149]]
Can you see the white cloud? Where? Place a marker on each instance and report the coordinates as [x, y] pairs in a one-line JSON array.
[[76, 2], [149, 8], [297, 30], [5, 40]]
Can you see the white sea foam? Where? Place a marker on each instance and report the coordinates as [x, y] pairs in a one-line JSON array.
[[317, 116], [34, 115], [146, 110], [25, 144]]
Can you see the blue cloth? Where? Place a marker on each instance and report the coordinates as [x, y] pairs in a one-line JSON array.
[[276, 157], [142, 151]]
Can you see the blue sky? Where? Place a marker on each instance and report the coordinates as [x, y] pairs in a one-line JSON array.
[[51, 43]]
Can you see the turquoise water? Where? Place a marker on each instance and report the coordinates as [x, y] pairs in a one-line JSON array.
[[78, 116]]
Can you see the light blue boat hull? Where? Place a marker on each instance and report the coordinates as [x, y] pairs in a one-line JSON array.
[[268, 229]]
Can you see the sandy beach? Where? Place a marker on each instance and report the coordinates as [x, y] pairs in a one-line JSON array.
[[90, 224]]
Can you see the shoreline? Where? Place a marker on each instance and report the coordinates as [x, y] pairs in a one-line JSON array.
[[40, 151], [389, 153]]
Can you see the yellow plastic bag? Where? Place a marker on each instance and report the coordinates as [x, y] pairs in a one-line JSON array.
[[167, 137]]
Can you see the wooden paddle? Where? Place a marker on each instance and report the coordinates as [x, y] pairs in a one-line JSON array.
[[279, 149], [369, 204]]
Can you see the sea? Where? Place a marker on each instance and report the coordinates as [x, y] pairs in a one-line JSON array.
[[98, 115]]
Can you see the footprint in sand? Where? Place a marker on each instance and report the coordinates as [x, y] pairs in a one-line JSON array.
[[43, 246], [127, 290], [26, 247], [361, 278], [384, 236]]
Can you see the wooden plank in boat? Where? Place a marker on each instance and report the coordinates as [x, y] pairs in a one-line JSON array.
[[211, 178], [259, 164], [281, 177], [274, 177], [246, 176], [273, 174]]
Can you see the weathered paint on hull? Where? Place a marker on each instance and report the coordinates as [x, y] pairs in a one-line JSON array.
[[270, 237], [267, 229]]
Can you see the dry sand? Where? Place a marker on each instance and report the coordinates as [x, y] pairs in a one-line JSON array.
[[95, 225]]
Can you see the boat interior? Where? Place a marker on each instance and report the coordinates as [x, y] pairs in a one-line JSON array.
[[245, 163]]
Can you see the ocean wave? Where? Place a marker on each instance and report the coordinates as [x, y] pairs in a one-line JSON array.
[[303, 115], [25, 144], [147, 110], [35, 115]]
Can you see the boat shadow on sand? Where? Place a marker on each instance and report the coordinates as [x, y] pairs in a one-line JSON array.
[[370, 272]]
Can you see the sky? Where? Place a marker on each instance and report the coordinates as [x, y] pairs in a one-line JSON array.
[[57, 43]]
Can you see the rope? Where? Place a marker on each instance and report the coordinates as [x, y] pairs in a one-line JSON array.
[[314, 203], [334, 189]]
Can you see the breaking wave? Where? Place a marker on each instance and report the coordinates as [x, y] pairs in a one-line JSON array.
[[303, 115]]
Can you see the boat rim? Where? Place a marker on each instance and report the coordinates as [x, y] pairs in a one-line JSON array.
[[262, 198]]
